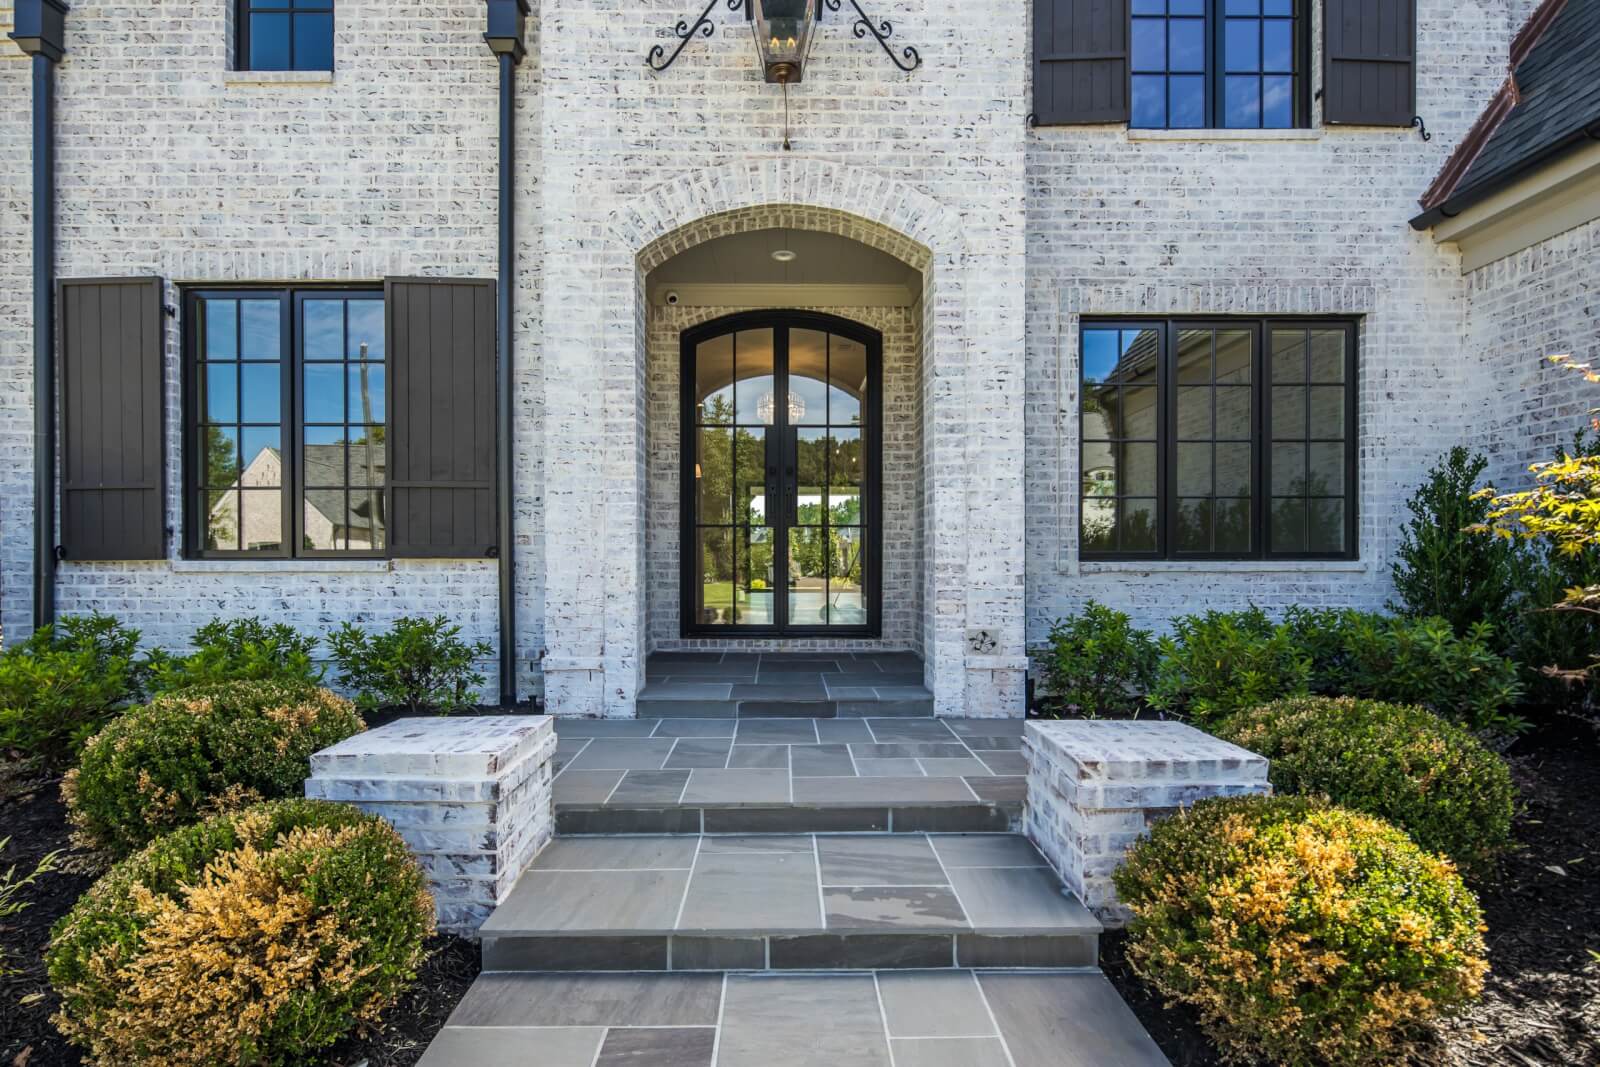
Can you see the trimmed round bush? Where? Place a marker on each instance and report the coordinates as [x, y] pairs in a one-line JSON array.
[[1301, 933], [255, 937], [1432, 778], [196, 752]]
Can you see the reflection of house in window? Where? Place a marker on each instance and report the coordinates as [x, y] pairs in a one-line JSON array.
[[335, 518]]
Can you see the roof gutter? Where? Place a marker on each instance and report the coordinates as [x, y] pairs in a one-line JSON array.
[[504, 33], [1455, 205], [39, 29]]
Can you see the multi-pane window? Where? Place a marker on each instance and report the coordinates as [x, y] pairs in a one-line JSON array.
[[287, 450], [1228, 64], [285, 34], [1227, 439]]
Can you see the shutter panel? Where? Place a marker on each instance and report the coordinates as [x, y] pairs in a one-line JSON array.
[[1080, 61], [441, 342], [113, 499], [1370, 65]]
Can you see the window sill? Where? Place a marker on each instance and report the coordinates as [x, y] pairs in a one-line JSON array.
[[1224, 566], [281, 566], [1314, 134], [277, 77]]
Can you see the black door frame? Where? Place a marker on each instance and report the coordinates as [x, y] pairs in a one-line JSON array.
[[781, 475]]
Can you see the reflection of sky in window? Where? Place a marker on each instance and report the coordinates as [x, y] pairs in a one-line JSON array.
[[1099, 354]]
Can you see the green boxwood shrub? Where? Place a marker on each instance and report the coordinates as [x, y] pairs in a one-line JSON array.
[[190, 753], [255, 937], [418, 664], [64, 683], [1431, 778], [1098, 663], [238, 651], [1409, 661], [1222, 662], [1301, 933]]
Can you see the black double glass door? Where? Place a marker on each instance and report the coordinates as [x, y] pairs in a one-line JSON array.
[[781, 492]]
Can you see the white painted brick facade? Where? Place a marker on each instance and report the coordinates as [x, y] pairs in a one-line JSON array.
[[169, 165]]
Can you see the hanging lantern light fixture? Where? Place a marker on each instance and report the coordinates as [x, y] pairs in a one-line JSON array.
[[783, 32]]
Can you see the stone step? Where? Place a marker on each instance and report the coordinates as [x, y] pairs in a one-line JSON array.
[[661, 702], [820, 685], [789, 902], [691, 776], [905, 1018]]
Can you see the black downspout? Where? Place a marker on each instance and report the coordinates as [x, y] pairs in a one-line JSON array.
[[39, 30], [506, 20]]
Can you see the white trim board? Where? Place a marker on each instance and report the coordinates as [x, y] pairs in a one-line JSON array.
[[733, 294], [1555, 199]]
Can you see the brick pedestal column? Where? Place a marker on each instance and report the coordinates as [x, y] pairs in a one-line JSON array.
[[471, 796]]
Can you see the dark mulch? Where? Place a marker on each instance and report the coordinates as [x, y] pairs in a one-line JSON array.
[[1541, 1002], [420, 1014]]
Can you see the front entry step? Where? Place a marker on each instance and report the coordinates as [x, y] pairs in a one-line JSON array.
[[949, 1018], [691, 776], [789, 902], [818, 685]]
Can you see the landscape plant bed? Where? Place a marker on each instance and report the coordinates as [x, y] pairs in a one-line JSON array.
[[1541, 1002]]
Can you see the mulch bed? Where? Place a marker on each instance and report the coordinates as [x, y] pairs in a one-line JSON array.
[[1541, 1002]]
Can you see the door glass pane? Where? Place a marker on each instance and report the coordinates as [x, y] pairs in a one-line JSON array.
[[847, 380], [847, 602], [844, 477], [808, 377], [811, 479], [754, 399], [808, 576], [713, 376], [750, 476], [756, 576], [713, 470], [714, 577]]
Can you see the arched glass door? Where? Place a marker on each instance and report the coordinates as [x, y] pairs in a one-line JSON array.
[[781, 452]]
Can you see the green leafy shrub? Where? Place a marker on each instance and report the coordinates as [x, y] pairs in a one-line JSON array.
[[1409, 661], [1433, 779], [1443, 569], [1555, 650], [239, 651], [256, 937], [190, 753], [1221, 662], [63, 683], [1098, 662], [419, 664], [1301, 933]]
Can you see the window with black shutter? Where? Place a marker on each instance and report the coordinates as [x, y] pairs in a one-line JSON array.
[[113, 503], [1219, 64], [1080, 62], [1370, 62], [287, 430]]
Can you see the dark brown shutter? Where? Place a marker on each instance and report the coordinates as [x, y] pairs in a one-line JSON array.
[[1080, 61], [441, 341], [113, 503], [1370, 66]]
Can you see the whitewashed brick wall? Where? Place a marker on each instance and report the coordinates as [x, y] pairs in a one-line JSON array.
[[901, 387], [1312, 224], [1539, 302]]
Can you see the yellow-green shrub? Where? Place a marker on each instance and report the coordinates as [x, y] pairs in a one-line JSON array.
[[198, 751], [1433, 779], [256, 937], [1301, 933]]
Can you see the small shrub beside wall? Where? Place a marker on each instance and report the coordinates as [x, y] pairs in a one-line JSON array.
[[1434, 780], [1301, 933], [198, 751], [238, 651], [418, 664], [258, 937], [63, 684], [1098, 663], [1222, 662]]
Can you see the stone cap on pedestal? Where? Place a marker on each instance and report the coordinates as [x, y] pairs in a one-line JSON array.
[[480, 747], [1104, 750]]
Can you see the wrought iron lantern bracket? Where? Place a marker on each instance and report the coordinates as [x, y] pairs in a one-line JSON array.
[[659, 60]]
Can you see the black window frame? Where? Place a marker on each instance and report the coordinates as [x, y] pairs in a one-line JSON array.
[[291, 415], [1215, 72], [1261, 385], [243, 9]]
